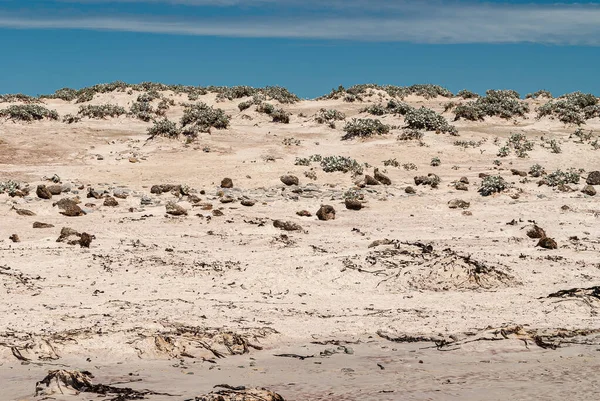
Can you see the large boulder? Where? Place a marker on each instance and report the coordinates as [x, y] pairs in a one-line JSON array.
[[43, 192], [593, 178], [289, 179]]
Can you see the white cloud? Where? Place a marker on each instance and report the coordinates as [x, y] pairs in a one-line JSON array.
[[427, 23]]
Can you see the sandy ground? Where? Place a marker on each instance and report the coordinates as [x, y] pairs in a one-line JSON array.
[[180, 304]]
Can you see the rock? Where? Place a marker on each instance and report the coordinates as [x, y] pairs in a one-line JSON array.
[[67, 232], [162, 188], [24, 212], [217, 213], [380, 242], [43, 192], [564, 188], [194, 199], [589, 190], [226, 183], [175, 210], [483, 175], [593, 178], [226, 199], [286, 225], [326, 212], [38, 224], [120, 193], [289, 179], [85, 240], [65, 187], [547, 243], [14, 238], [92, 193], [432, 180], [110, 201], [247, 202], [409, 190], [145, 200], [464, 180], [240, 394], [371, 181], [61, 204], [461, 186], [536, 232], [70, 208], [133, 160], [353, 204], [304, 213], [520, 173], [55, 189], [381, 178], [458, 204], [467, 213]]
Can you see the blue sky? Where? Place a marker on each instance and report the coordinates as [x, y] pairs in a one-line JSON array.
[[307, 46]]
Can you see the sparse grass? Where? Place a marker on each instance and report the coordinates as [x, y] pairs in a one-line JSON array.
[[28, 112], [468, 144], [364, 128]]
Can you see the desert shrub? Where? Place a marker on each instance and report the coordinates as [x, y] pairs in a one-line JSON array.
[[245, 105], [18, 97], [468, 144], [538, 94], [582, 135], [10, 187], [164, 128], [357, 92], [391, 162], [398, 107], [572, 108], [101, 111], [291, 141], [341, 163], [428, 120], [553, 145], [503, 151], [364, 127], [435, 162], [142, 111], [559, 177], [502, 103], [448, 106], [280, 116], [375, 109], [28, 112], [266, 108], [203, 117], [409, 166], [520, 144], [67, 94], [492, 184], [411, 134], [329, 117], [467, 94], [163, 106], [71, 118], [536, 170], [272, 92], [148, 96]]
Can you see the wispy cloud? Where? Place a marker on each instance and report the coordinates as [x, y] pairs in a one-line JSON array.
[[409, 22]]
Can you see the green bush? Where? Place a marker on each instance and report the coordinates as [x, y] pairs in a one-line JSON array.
[[280, 116], [502, 103], [411, 134], [572, 108], [329, 117], [364, 127], [536, 170], [538, 94], [341, 163], [164, 128], [559, 177], [101, 111], [70, 119], [428, 120], [357, 92], [375, 109], [467, 94], [492, 184], [66, 94], [398, 107], [28, 112], [18, 97], [142, 110], [203, 117]]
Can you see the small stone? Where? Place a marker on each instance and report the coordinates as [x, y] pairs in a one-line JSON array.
[[120, 193], [145, 200], [110, 201], [353, 204], [14, 238], [133, 160], [43, 192], [520, 173], [55, 189], [24, 212], [371, 181], [589, 190], [85, 240], [92, 193], [458, 204], [381, 177], [226, 199], [547, 243], [226, 183], [217, 213], [248, 202], [467, 213], [304, 213], [289, 179], [38, 224], [483, 175], [286, 225], [464, 180], [70, 209], [409, 190], [536, 232], [593, 178], [175, 210], [326, 212], [461, 186]]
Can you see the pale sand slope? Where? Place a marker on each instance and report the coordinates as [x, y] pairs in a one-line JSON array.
[[151, 287]]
